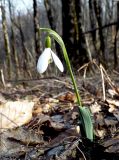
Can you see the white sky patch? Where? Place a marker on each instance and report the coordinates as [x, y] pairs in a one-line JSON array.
[[23, 5], [20, 6]]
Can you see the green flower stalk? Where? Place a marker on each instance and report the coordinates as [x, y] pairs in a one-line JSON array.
[[85, 115]]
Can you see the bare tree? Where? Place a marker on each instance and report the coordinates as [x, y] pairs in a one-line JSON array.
[[115, 39], [81, 45], [13, 42], [24, 57], [6, 42], [36, 29], [92, 23], [53, 11], [98, 9], [68, 24]]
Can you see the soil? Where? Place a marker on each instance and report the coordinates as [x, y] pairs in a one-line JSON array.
[[53, 133]]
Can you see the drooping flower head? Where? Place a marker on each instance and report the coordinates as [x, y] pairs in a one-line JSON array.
[[48, 56]]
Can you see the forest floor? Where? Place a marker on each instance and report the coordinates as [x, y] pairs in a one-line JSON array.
[[52, 130]]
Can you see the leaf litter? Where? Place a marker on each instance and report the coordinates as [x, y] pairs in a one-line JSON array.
[[51, 129]]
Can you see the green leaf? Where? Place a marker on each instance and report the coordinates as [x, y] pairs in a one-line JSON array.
[[86, 122]]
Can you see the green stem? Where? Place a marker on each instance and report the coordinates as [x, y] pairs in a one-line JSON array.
[[85, 115], [61, 43], [72, 76]]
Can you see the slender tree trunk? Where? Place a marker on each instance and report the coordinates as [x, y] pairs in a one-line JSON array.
[[13, 42], [72, 32], [6, 43], [81, 45], [36, 29], [52, 15], [70, 29], [97, 9], [68, 26], [92, 23], [25, 58], [25, 61], [115, 39]]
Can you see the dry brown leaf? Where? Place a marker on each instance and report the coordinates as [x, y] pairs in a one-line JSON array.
[[100, 133], [95, 108], [68, 135], [114, 107], [110, 121], [46, 108], [14, 114], [69, 96], [91, 89], [112, 92], [111, 144], [113, 102]]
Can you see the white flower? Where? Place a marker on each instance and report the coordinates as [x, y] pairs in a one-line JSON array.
[[44, 59]]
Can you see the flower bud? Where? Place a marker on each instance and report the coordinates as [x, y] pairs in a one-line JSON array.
[[48, 42]]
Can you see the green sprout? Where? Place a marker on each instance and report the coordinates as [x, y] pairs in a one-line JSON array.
[[43, 61]]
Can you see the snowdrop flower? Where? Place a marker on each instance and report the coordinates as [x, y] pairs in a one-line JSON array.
[[47, 57]]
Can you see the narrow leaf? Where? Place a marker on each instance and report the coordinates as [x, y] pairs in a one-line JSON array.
[[86, 122]]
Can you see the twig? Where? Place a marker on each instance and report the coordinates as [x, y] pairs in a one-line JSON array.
[[103, 27], [103, 82], [2, 78], [8, 119], [81, 152]]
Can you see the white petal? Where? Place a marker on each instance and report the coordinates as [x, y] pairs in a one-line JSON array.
[[57, 61], [44, 60]]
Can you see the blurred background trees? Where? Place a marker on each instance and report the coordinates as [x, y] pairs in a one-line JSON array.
[[89, 29]]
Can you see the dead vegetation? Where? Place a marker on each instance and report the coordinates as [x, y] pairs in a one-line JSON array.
[[53, 130]]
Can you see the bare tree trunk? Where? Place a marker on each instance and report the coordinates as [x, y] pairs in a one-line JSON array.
[[68, 26], [25, 58], [36, 29], [13, 42], [97, 9], [6, 42], [93, 23], [115, 39], [25, 61], [82, 44], [50, 14], [72, 32], [53, 18], [113, 17]]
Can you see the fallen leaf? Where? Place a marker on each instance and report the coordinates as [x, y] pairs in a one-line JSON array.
[[95, 108], [46, 108], [69, 96], [91, 89], [58, 118], [112, 92], [68, 135], [51, 100], [100, 133], [111, 145], [111, 108], [110, 121], [14, 114], [113, 102]]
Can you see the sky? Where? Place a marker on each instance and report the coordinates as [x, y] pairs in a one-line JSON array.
[[23, 5]]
